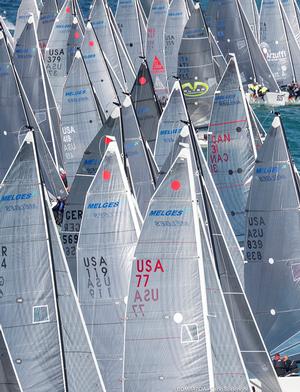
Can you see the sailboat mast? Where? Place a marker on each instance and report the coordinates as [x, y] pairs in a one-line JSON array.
[[51, 258]]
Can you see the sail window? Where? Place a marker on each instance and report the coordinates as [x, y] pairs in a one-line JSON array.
[[40, 314], [189, 333]]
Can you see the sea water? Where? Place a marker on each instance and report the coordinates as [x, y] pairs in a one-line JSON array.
[[290, 115]]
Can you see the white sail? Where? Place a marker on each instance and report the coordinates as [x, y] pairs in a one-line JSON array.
[[74, 42], [233, 33], [99, 17], [219, 61], [14, 128], [47, 17], [80, 117], [272, 248], [56, 50], [27, 8], [146, 4], [170, 125], [155, 47], [143, 23], [7, 33], [290, 7], [148, 109], [108, 236], [279, 43], [88, 167], [9, 381], [196, 69], [99, 71], [176, 20], [175, 307], [143, 178], [231, 148], [128, 21], [29, 65]]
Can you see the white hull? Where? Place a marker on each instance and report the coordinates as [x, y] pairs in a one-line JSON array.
[[270, 99], [290, 384]]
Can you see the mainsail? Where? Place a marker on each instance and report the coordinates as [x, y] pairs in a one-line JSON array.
[[128, 22], [279, 43], [56, 50], [47, 17], [231, 148], [80, 117], [155, 47], [108, 236], [40, 315], [219, 61], [88, 167], [176, 20], [233, 33], [175, 308], [30, 67], [99, 72], [99, 17], [74, 42], [272, 249], [135, 150], [148, 109], [196, 69], [251, 12], [9, 381], [27, 8], [170, 125], [13, 128], [291, 10]]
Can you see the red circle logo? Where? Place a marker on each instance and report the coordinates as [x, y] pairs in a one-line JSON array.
[[142, 80], [68, 10], [91, 43], [76, 35], [106, 175], [175, 185]]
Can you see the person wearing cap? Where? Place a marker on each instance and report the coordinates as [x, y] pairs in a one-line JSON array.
[[288, 364], [279, 365]]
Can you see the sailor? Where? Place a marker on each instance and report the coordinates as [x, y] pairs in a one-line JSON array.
[[279, 365], [262, 91], [63, 176], [58, 210], [253, 87], [288, 364]]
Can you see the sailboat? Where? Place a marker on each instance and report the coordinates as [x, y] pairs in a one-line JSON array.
[[279, 43], [26, 9], [231, 147], [9, 381], [175, 308], [47, 17], [147, 106], [31, 70], [88, 167], [40, 314], [14, 128], [272, 252], [110, 44], [56, 50], [108, 236], [155, 47], [80, 116], [178, 15], [130, 28], [196, 68], [229, 24]]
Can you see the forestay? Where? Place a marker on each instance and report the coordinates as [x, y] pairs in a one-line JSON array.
[[233, 33], [155, 47], [88, 166], [27, 8], [177, 271], [135, 150], [279, 43], [273, 219], [196, 69], [148, 109], [108, 236], [170, 125], [29, 65], [9, 380], [80, 117], [176, 20], [47, 17], [231, 148], [128, 22], [56, 50]]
